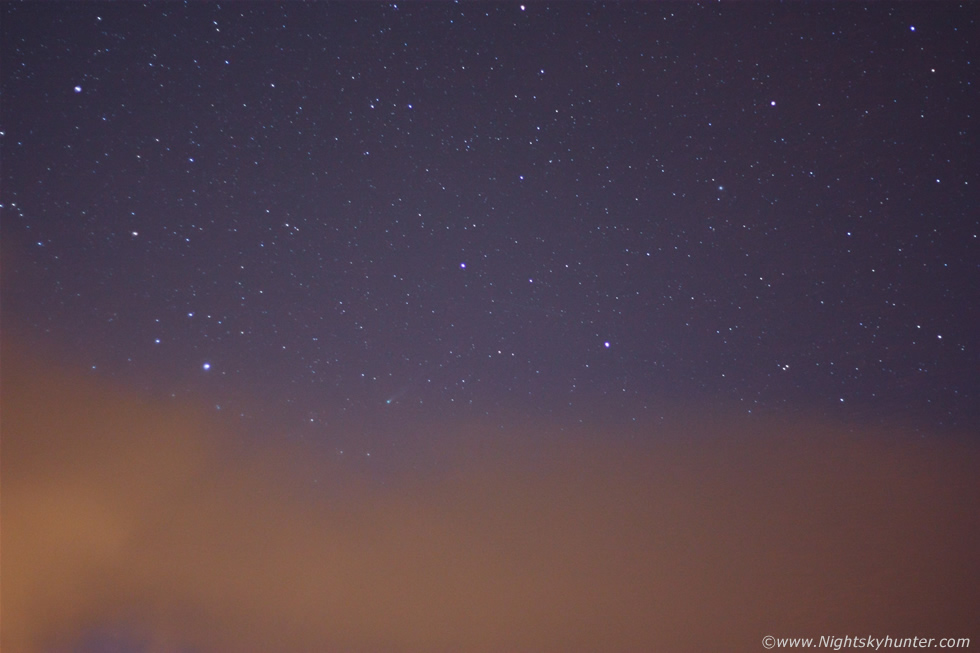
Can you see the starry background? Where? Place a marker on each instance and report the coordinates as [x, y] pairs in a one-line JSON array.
[[465, 205], [344, 223]]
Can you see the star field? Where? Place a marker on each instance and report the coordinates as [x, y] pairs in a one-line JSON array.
[[567, 209], [481, 327]]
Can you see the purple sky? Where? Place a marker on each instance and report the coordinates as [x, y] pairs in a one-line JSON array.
[[403, 238]]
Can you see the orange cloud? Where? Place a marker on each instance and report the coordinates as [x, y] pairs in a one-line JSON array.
[[123, 513]]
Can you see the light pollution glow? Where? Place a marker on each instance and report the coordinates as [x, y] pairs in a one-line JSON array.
[[122, 513]]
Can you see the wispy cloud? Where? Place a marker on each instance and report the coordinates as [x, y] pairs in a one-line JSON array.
[[122, 513]]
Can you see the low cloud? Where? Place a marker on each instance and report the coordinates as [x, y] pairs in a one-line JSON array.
[[154, 525]]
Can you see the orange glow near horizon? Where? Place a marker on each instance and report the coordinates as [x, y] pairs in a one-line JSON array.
[[121, 513]]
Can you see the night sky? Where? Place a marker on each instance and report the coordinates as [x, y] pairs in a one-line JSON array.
[[521, 261]]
